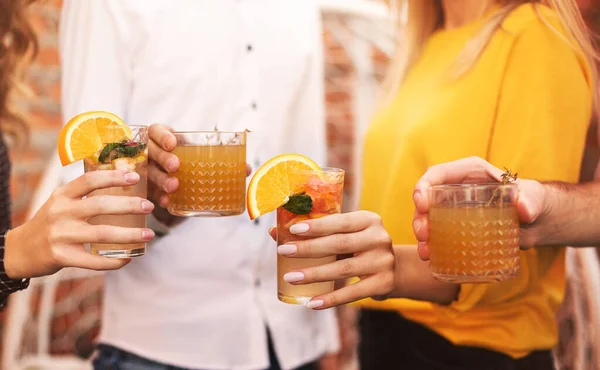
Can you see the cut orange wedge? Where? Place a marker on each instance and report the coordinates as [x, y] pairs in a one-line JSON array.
[[85, 134], [275, 181]]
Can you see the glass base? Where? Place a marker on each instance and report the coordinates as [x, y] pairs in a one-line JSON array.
[[193, 213], [466, 279], [123, 253], [299, 300]]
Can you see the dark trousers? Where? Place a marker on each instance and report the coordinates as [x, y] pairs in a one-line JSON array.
[[390, 342], [112, 358]]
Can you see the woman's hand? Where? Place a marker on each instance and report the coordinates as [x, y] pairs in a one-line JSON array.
[[54, 237], [531, 203], [360, 234]]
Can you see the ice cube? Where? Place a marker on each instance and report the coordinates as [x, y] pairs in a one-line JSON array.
[[124, 164]]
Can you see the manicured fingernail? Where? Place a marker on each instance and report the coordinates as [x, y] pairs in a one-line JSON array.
[[314, 304], [147, 235], [147, 206], [272, 230], [131, 177], [299, 228], [287, 249], [417, 225], [292, 277]]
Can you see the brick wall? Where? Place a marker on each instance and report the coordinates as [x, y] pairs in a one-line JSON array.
[[43, 109]]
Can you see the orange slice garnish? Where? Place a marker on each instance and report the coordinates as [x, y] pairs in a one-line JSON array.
[[275, 181], [85, 134]]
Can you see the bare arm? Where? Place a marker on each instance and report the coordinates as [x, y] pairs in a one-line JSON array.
[[570, 216], [414, 281]]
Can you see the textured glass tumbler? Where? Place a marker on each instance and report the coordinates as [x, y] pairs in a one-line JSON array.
[[473, 233], [212, 174]]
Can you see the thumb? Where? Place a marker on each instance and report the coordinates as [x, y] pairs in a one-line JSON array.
[[531, 201], [273, 233]]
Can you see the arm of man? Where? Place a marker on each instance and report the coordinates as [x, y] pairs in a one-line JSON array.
[[570, 218]]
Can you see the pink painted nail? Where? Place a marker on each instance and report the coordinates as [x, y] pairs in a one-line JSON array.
[[147, 206], [287, 249], [315, 304], [147, 235], [293, 277], [131, 177], [299, 228]]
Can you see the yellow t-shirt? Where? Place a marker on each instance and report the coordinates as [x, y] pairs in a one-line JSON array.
[[525, 105]]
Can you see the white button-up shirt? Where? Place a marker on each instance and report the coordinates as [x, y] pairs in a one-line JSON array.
[[204, 294]]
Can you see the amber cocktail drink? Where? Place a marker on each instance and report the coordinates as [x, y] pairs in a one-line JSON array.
[[474, 233], [212, 174], [130, 152], [320, 196]]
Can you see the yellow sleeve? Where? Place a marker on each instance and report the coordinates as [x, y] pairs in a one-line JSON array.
[[543, 112]]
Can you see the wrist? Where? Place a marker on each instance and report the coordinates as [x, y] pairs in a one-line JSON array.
[[14, 263]]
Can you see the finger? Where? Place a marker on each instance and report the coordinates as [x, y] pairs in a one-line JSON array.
[[376, 285], [273, 233], [165, 159], [163, 136], [423, 250], [336, 244], [248, 169], [364, 264], [421, 227], [95, 180], [164, 201], [530, 201], [162, 180], [106, 234], [336, 223], [472, 169], [111, 205], [77, 257]]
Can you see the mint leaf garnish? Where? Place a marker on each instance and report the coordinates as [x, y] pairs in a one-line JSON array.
[[300, 204], [113, 151]]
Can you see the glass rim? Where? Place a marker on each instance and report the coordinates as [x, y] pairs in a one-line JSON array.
[[473, 186], [208, 132], [325, 170], [130, 126]]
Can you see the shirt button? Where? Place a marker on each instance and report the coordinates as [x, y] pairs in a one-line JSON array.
[[257, 283], [249, 47], [256, 222], [254, 105]]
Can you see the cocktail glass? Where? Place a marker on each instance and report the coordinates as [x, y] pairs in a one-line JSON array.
[[127, 151], [325, 189], [473, 233], [212, 174]]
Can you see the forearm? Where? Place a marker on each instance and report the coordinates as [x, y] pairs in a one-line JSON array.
[[414, 281], [570, 217]]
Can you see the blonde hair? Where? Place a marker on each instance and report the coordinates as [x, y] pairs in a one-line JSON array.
[[424, 17], [17, 46]]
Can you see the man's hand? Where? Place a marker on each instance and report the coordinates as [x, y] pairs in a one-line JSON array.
[[161, 142], [531, 203]]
